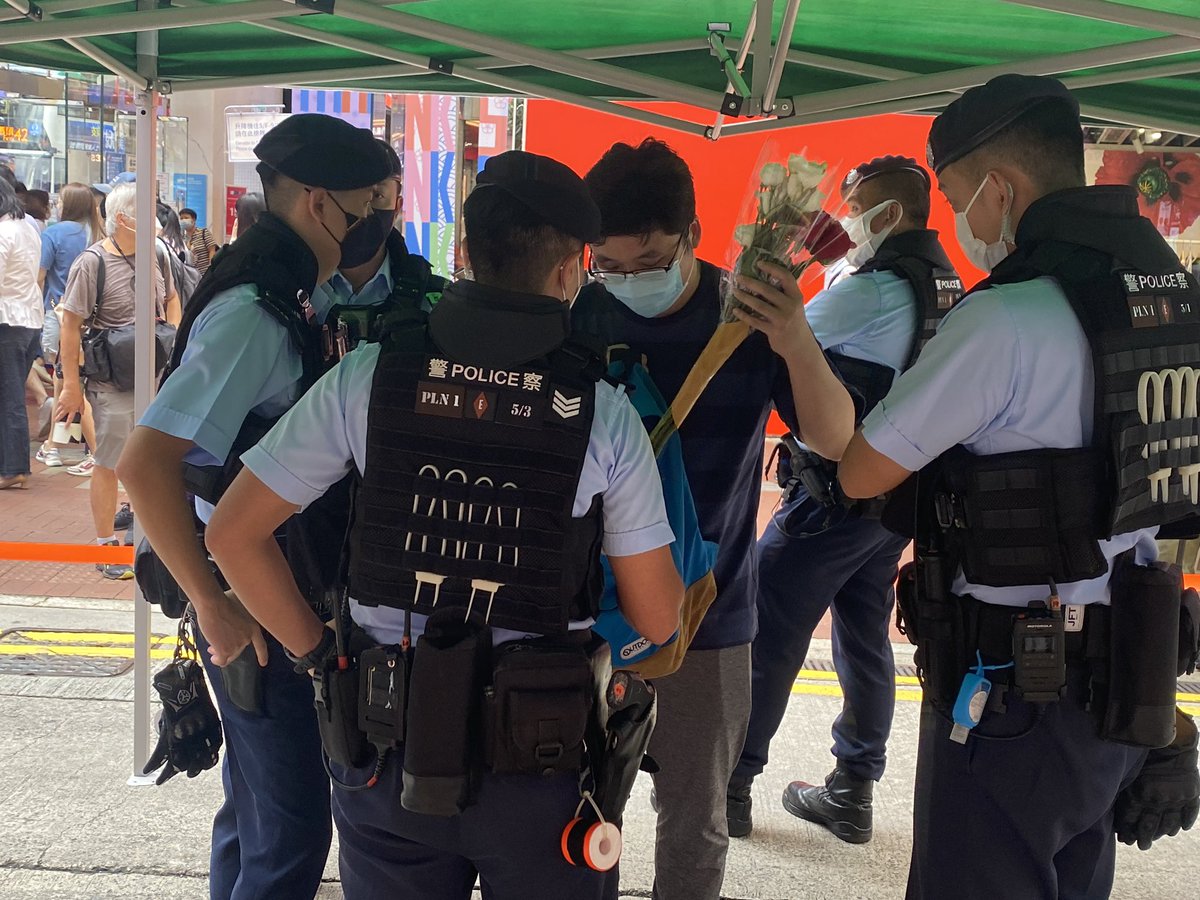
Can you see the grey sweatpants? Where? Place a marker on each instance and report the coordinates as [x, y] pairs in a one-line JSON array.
[[702, 713]]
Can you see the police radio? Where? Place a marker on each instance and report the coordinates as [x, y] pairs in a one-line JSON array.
[[1039, 654]]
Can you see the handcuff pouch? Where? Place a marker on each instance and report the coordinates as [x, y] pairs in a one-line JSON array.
[[336, 704], [537, 708]]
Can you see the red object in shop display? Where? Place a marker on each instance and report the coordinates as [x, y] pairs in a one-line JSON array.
[[232, 195], [578, 137]]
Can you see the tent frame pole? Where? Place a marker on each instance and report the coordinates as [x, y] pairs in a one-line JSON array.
[[152, 19], [1119, 14], [779, 56], [502, 82], [961, 79], [652, 87], [145, 263]]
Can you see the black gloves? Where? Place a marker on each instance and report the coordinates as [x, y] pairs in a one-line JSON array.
[[1165, 796], [189, 731]]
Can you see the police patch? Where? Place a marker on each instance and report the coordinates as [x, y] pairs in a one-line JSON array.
[[435, 399]]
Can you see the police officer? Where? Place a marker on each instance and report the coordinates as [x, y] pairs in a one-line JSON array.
[[1040, 619], [246, 350], [820, 551], [377, 271], [493, 466]]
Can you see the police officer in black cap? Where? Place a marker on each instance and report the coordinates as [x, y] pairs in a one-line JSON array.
[[494, 465], [247, 349], [1053, 425], [820, 550]]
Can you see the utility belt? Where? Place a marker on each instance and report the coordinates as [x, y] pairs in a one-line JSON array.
[[462, 708], [797, 467], [972, 655]]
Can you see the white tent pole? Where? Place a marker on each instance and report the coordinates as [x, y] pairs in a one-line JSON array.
[[153, 19], [145, 264], [590, 70], [760, 46], [283, 79], [714, 132], [614, 51], [1078, 82], [1158, 123], [902, 105], [1120, 14], [500, 81], [114, 65], [961, 79], [780, 56], [53, 9]]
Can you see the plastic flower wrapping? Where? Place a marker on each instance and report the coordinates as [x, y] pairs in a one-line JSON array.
[[791, 228]]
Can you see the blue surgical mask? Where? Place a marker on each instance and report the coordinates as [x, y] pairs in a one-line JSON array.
[[651, 294]]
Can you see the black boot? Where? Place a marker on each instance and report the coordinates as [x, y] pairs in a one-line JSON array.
[[843, 804], [737, 806]]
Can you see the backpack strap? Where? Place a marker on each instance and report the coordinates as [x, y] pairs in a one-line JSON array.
[[99, 284]]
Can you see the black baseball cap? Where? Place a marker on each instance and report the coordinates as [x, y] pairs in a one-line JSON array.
[[549, 188], [883, 165], [980, 113], [325, 152]]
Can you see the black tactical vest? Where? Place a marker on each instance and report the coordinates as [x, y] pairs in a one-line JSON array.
[[918, 258], [469, 483], [1021, 518], [414, 286]]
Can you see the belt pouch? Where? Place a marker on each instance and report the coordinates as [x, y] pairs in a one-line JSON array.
[[336, 703], [1143, 655], [906, 602], [944, 634], [538, 708], [450, 668]]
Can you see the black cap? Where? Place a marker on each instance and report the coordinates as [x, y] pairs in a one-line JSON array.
[[321, 151], [393, 157], [976, 116], [547, 187], [883, 165]]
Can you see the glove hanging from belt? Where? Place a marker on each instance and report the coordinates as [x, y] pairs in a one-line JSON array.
[[189, 730], [1165, 796]]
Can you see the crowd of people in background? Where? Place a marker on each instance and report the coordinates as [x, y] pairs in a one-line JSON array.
[[50, 257]]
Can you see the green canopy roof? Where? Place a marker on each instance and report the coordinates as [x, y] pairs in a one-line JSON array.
[[1132, 63]]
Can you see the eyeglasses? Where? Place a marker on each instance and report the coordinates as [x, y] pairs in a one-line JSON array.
[[607, 276]]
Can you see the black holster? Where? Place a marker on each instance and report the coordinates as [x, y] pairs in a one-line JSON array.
[[629, 711], [537, 708], [451, 667], [1143, 659]]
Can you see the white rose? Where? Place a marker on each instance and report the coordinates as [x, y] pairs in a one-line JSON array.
[[815, 201], [772, 175], [810, 173], [796, 188], [744, 235]]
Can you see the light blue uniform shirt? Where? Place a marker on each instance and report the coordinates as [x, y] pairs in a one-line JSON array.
[[239, 359], [325, 433], [1009, 369], [338, 290], [869, 316]]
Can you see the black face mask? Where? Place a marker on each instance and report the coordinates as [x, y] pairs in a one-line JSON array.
[[353, 222], [361, 244]]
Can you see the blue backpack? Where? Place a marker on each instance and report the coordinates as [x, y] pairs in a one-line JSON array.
[[694, 557]]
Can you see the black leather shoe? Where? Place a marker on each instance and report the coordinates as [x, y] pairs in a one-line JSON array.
[[737, 807], [842, 804]]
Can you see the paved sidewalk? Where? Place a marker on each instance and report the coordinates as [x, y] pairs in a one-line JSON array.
[[74, 830]]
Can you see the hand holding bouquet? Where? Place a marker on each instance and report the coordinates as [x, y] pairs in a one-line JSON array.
[[789, 233]]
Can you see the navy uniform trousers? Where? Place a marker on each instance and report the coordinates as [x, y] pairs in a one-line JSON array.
[[270, 838], [806, 567], [510, 837], [1024, 809]]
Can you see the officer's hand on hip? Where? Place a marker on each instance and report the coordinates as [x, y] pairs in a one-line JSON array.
[[776, 308], [228, 628]]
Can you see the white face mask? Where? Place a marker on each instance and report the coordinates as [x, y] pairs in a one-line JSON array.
[[858, 229], [982, 254]]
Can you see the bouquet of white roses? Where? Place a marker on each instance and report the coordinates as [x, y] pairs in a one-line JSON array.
[[791, 230]]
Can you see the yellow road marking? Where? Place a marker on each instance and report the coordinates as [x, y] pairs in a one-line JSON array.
[[84, 637], [94, 652]]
